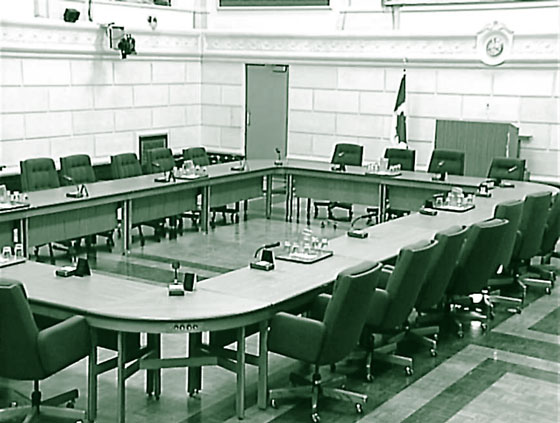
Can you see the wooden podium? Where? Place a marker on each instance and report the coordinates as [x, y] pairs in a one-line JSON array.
[[481, 142]]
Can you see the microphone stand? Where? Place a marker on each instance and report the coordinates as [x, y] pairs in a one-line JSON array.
[[266, 261], [359, 233], [81, 190], [278, 161]]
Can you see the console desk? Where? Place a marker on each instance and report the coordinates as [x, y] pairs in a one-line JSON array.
[[233, 300]]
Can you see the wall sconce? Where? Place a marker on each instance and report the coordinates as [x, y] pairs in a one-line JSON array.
[[152, 20], [120, 40]]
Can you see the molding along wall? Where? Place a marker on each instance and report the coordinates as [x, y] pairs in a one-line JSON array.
[[64, 91]]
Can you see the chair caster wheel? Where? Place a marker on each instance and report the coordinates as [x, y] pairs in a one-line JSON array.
[[359, 408], [484, 327], [518, 310], [315, 418], [408, 371], [433, 352], [70, 404], [273, 403], [460, 334], [492, 315], [369, 378], [333, 367], [335, 226], [13, 404], [436, 336], [193, 393], [322, 225], [547, 291]]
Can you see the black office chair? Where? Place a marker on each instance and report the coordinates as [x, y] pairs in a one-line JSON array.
[[386, 324], [159, 160], [399, 156], [430, 304], [79, 169], [550, 240], [199, 157], [477, 263], [343, 155], [126, 165], [329, 336], [26, 353], [512, 212], [38, 174], [507, 168], [532, 228], [451, 162]]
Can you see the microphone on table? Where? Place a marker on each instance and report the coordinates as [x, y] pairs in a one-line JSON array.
[[167, 177], [278, 161], [175, 289], [81, 190], [341, 166], [440, 175], [359, 233], [504, 184], [266, 261]]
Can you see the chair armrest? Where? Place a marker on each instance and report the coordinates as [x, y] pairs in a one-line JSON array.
[[318, 307], [386, 272], [378, 307], [296, 337], [64, 343]]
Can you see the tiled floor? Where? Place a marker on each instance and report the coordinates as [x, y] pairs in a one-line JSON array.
[[510, 374]]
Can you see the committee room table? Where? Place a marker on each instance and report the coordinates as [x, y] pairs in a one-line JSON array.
[[233, 300]]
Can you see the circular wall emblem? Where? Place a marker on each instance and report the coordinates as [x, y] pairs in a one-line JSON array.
[[494, 44]]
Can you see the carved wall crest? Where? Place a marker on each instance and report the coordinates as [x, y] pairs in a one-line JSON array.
[[493, 44]]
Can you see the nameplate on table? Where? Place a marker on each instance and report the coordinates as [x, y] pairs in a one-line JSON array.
[[191, 177], [306, 258], [384, 173], [455, 209], [11, 262]]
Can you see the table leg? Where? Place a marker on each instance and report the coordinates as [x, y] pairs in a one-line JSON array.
[[153, 377], [268, 203], [309, 211], [92, 378], [121, 378], [194, 379], [240, 370], [24, 235], [382, 201], [289, 198], [126, 223], [245, 209], [262, 394], [205, 208]]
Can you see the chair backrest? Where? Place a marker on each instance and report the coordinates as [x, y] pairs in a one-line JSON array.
[[348, 154], [162, 157], [38, 174], [450, 161], [346, 312], [78, 167], [19, 350], [478, 260], [532, 225], [406, 158], [125, 165], [405, 282], [512, 212], [444, 260], [552, 229], [506, 168], [198, 155]]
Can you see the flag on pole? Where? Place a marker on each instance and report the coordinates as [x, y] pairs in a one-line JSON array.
[[399, 124]]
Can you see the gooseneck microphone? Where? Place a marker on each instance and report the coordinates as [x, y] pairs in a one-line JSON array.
[[266, 247], [359, 233], [167, 177], [81, 190], [266, 261], [278, 161]]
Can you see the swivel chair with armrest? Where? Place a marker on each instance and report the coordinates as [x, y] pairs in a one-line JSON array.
[[477, 263], [430, 303], [536, 210], [512, 212], [386, 324], [79, 169], [161, 160], [344, 154], [326, 338], [199, 157], [550, 239], [451, 162], [507, 168], [126, 165], [406, 158], [27, 353], [39, 174]]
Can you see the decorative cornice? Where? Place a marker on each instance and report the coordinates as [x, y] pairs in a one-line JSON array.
[[42, 38]]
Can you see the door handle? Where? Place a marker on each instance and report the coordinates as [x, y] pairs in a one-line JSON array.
[[248, 118]]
